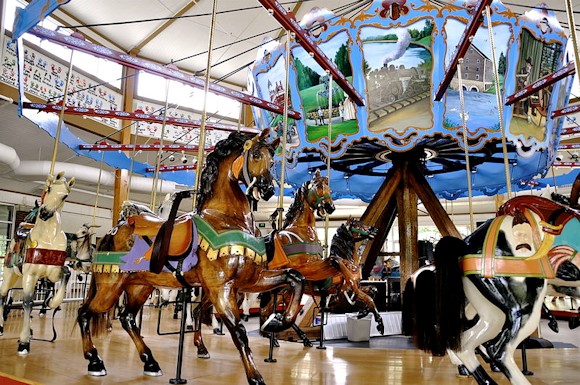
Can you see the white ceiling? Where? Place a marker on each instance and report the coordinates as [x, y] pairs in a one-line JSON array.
[[240, 27], [239, 32]]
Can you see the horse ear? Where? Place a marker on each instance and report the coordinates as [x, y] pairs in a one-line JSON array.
[[71, 182], [59, 175], [168, 196], [265, 133], [275, 143], [317, 173]]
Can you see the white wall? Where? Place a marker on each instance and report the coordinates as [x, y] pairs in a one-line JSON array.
[[72, 215]]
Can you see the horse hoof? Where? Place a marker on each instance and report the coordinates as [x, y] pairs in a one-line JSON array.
[[205, 356], [1, 330], [97, 373], [273, 323], [462, 371], [97, 369], [23, 348], [153, 373], [218, 332]]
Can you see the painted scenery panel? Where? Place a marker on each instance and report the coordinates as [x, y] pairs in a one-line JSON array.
[[536, 59], [272, 84], [314, 89], [480, 105], [398, 65]]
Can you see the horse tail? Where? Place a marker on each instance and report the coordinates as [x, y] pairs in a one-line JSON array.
[[423, 312], [407, 314], [98, 322], [450, 297]]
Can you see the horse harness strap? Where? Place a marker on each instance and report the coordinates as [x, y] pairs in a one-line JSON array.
[[490, 265], [223, 243], [45, 256]]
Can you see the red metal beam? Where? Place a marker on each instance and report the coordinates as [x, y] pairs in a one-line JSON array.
[[566, 164], [288, 22], [542, 83], [565, 111], [570, 131], [163, 168], [138, 116], [571, 146], [154, 68], [104, 146], [462, 46]]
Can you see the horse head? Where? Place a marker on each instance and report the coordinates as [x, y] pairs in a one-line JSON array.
[[319, 195], [56, 191], [360, 231], [82, 247], [255, 164]]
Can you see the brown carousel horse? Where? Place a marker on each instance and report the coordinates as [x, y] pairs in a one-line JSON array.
[[42, 254], [230, 256], [501, 270], [337, 274]]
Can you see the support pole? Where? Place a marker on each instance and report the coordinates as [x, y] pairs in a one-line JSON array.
[[500, 103], [465, 144], [329, 134], [572, 28], [201, 144], [160, 151], [284, 133], [61, 116]]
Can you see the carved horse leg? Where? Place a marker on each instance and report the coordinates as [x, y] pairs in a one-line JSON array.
[[225, 302], [351, 280], [95, 307], [30, 276], [521, 315], [10, 277], [488, 326], [136, 296], [55, 274]]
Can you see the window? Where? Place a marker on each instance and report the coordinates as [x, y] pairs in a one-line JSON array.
[[6, 226], [478, 61], [466, 76], [476, 76]]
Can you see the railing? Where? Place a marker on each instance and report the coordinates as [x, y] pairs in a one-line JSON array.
[[76, 289]]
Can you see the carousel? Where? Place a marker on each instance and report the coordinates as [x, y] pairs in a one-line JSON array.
[[400, 104]]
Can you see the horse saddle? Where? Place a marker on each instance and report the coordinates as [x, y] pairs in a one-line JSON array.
[[147, 225]]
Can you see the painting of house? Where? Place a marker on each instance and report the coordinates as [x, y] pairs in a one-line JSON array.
[[477, 71]]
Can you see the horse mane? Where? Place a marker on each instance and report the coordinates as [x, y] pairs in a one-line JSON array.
[[297, 206], [222, 149], [342, 245]]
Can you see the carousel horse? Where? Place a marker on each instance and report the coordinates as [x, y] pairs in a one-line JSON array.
[[302, 249], [501, 270], [222, 254], [43, 256], [83, 249]]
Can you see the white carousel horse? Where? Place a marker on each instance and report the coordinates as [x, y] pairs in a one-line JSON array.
[[503, 273], [43, 254]]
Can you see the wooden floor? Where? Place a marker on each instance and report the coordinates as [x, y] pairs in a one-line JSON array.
[[62, 362]]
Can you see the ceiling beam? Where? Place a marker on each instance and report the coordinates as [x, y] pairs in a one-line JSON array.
[[137, 48], [165, 72]]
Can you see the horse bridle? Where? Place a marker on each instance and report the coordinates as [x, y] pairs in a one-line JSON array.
[[313, 198]]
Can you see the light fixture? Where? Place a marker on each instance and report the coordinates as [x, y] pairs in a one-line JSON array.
[[183, 157]]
